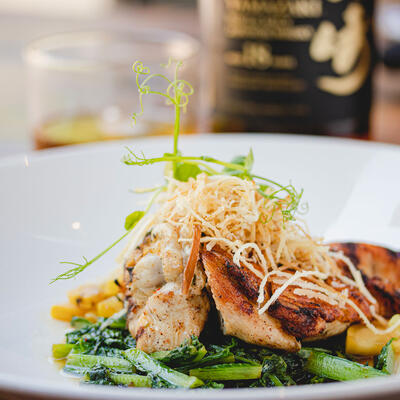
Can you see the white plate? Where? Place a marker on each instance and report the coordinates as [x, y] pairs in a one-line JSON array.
[[45, 195]]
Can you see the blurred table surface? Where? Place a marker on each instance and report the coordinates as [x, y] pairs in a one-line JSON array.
[[17, 30]]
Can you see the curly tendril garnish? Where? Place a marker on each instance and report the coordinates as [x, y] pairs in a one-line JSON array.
[[176, 93]]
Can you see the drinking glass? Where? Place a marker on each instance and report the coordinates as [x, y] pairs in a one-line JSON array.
[[81, 87]]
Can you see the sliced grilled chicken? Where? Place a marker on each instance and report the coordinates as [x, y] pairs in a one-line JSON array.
[[159, 316], [235, 292], [380, 269]]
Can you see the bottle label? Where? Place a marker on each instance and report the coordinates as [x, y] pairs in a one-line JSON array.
[[296, 65]]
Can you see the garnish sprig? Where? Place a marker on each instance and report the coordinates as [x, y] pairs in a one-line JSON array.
[[241, 166], [177, 93]]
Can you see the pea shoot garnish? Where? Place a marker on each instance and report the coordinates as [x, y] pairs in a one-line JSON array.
[[181, 167]]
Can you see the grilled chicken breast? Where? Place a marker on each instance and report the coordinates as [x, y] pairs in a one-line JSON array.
[[380, 268], [159, 316], [291, 318], [235, 292], [313, 318]]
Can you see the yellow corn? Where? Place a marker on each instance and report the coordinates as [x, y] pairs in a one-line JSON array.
[[65, 312], [111, 288], [362, 341], [108, 307], [86, 296], [114, 284]]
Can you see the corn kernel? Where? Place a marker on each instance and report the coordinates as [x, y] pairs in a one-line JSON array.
[[112, 287], [394, 320], [362, 341], [108, 307], [65, 312], [86, 296]]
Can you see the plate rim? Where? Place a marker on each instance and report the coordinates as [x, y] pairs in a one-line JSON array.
[[365, 389], [93, 147]]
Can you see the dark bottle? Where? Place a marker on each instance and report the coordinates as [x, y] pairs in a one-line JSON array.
[[301, 66]]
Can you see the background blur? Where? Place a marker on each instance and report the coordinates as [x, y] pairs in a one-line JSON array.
[[24, 20]]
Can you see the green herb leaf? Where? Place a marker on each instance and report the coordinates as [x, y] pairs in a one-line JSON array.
[[132, 219], [184, 171], [231, 170], [249, 161]]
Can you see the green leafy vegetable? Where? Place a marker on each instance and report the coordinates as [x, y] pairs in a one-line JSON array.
[[215, 355], [95, 340], [228, 372], [131, 380], [191, 351], [212, 385], [108, 356], [336, 368], [145, 363], [386, 358], [80, 363], [118, 320], [99, 376]]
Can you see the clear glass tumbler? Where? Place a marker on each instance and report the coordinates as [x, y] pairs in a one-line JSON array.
[[81, 86]]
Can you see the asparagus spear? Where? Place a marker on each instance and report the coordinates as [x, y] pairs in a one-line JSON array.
[[79, 363], [228, 372], [145, 363], [336, 368]]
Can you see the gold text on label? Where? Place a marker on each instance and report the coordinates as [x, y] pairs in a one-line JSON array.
[[268, 27], [348, 50], [293, 8], [256, 55]]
